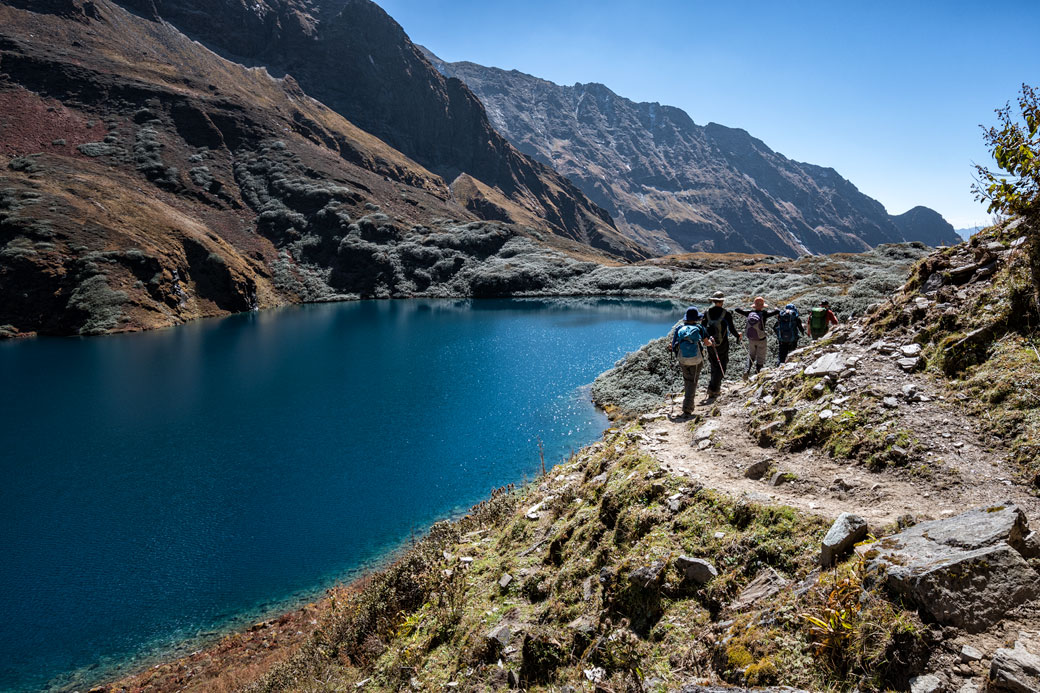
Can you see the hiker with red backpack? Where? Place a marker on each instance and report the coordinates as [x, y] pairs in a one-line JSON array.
[[788, 326], [688, 343], [820, 320], [719, 323], [755, 332]]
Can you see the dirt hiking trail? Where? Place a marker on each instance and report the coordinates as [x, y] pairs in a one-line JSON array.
[[960, 466]]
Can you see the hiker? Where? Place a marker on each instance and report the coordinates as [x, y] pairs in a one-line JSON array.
[[788, 326], [719, 323], [686, 345], [820, 320], [756, 334]]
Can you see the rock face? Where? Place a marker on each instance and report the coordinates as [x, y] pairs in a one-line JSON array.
[[966, 571], [355, 59], [677, 186]]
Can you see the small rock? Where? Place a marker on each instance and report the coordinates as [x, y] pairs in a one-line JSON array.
[[828, 364], [969, 687], [929, 683], [789, 414], [910, 350], [599, 479], [819, 389], [778, 479], [756, 470], [1016, 670], [909, 364], [704, 444], [970, 654], [595, 674], [890, 402], [826, 414], [765, 433], [499, 634], [504, 581], [909, 390], [846, 531], [696, 570], [720, 535]]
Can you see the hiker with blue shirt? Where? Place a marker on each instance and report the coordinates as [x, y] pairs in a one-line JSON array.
[[688, 343], [755, 332], [788, 326]]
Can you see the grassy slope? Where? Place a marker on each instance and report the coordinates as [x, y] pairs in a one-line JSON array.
[[982, 340], [595, 586]]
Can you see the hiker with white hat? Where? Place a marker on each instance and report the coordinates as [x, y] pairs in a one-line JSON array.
[[719, 323]]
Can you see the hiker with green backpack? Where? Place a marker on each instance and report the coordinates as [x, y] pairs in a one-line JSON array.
[[755, 332], [719, 323], [688, 342], [820, 320], [788, 326]]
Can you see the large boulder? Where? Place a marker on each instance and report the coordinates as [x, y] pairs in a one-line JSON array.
[[966, 571]]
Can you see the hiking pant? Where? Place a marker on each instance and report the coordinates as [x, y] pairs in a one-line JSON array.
[[757, 350], [690, 376], [785, 349], [718, 359]]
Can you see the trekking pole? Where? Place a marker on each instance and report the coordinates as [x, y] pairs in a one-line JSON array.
[[715, 353]]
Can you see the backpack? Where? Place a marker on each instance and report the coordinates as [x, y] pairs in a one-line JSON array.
[[818, 321], [714, 325], [690, 337], [755, 329], [787, 326]]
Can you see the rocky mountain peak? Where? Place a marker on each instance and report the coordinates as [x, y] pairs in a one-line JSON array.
[[676, 186]]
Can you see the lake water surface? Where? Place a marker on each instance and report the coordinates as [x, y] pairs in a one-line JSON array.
[[159, 486]]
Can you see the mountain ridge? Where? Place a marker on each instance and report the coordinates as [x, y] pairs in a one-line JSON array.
[[677, 186]]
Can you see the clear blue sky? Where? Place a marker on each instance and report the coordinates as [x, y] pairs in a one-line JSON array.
[[890, 94]]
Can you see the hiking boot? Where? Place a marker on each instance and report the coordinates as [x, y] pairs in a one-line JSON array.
[[710, 399]]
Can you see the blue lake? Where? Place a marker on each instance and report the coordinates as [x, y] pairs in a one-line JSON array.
[[161, 486]]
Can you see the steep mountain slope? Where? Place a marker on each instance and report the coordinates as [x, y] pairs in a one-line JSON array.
[[674, 185], [351, 56], [145, 181]]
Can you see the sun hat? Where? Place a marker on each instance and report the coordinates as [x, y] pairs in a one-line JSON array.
[[789, 306], [692, 314], [718, 296]]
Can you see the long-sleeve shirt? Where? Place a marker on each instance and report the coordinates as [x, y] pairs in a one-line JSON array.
[[763, 314], [725, 322]]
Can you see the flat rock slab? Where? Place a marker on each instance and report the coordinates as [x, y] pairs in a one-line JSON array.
[[766, 584], [1016, 670], [966, 571], [828, 364]]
